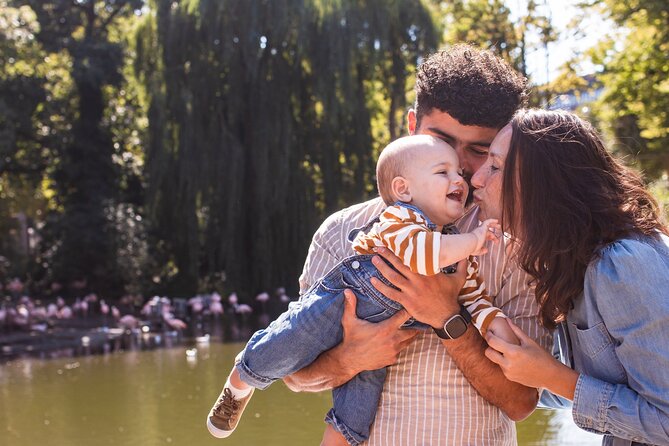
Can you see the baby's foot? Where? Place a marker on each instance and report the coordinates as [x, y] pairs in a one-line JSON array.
[[224, 416]]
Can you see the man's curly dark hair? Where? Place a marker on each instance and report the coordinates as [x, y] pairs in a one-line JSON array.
[[472, 85]]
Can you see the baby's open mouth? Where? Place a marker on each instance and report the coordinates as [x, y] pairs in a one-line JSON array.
[[456, 195]]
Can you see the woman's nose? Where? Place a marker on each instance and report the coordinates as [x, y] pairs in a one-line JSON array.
[[477, 179]]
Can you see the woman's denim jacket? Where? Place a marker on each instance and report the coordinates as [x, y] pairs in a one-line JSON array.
[[619, 338]]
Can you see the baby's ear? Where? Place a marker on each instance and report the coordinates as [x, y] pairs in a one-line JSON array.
[[400, 189]]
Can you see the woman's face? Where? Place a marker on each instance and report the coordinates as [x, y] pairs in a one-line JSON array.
[[487, 181]]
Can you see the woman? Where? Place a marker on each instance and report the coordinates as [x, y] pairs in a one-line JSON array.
[[591, 236]]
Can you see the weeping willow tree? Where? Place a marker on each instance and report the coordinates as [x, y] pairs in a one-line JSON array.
[[260, 124]]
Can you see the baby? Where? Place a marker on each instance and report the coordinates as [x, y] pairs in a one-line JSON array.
[[420, 180]]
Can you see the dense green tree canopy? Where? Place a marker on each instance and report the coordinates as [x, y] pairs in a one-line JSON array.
[[261, 122], [80, 240]]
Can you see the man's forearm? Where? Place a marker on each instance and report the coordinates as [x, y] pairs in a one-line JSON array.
[[365, 346], [326, 372], [515, 400]]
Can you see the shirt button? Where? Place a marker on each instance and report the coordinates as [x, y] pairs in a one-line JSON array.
[[355, 264]]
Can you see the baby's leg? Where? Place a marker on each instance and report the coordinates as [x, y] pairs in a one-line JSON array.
[[236, 381], [226, 412], [355, 405], [290, 343], [333, 438], [295, 339]]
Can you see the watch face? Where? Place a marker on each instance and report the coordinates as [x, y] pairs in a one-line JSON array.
[[456, 326]]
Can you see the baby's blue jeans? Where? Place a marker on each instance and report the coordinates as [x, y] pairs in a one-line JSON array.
[[313, 325]]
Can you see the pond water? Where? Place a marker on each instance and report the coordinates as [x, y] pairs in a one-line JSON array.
[[161, 397]]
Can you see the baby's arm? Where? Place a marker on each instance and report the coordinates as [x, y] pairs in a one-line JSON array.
[[500, 328], [455, 247], [485, 316], [424, 251]]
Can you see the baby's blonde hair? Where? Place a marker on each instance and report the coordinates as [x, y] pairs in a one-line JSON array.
[[394, 159]]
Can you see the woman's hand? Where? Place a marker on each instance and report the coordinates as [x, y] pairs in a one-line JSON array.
[[429, 299], [530, 365]]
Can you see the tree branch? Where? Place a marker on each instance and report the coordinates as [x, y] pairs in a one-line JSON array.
[[111, 16]]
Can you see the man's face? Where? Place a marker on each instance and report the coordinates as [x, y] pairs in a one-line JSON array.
[[488, 179], [470, 142]]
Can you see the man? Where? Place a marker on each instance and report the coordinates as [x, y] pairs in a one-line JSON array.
[[438, 391]]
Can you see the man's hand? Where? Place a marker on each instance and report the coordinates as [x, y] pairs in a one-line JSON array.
[[429, 299], [365, 346], [433, 300], [372, 346]]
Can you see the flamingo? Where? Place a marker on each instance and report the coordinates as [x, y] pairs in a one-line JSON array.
[[216, 308], [176, 324], [52, 310], [196, 304], [104, 308], [128, 321], [65, 312], [243, 309], [262, 297]]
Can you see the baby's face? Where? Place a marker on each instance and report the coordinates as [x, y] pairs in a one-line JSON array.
[[436, 183]]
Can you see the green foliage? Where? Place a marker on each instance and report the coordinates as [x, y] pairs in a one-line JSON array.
[[80, 240], [260, 123], [486, 24], [22, 162], [635, 105]]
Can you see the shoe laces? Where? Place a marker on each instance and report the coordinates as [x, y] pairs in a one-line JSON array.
[[227, 405]]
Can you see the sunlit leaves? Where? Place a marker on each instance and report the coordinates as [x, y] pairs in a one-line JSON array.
[[635, 104]]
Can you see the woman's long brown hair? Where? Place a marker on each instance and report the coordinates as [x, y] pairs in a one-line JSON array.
[[565, 197]]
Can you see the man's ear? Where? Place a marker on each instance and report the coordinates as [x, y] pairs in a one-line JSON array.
[[400, 189], [411, 121]]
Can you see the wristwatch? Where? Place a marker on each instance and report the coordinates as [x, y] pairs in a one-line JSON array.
[[455, 326]]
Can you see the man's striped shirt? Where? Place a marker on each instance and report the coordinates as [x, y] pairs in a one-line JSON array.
[[426, 400]]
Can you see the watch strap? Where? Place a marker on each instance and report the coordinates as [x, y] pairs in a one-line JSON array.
[[464, 312]]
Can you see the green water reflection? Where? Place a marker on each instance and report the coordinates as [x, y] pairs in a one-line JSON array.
[[161, 398]]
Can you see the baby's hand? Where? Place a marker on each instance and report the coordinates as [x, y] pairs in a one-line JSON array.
[[488, 230], [500, 328]]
